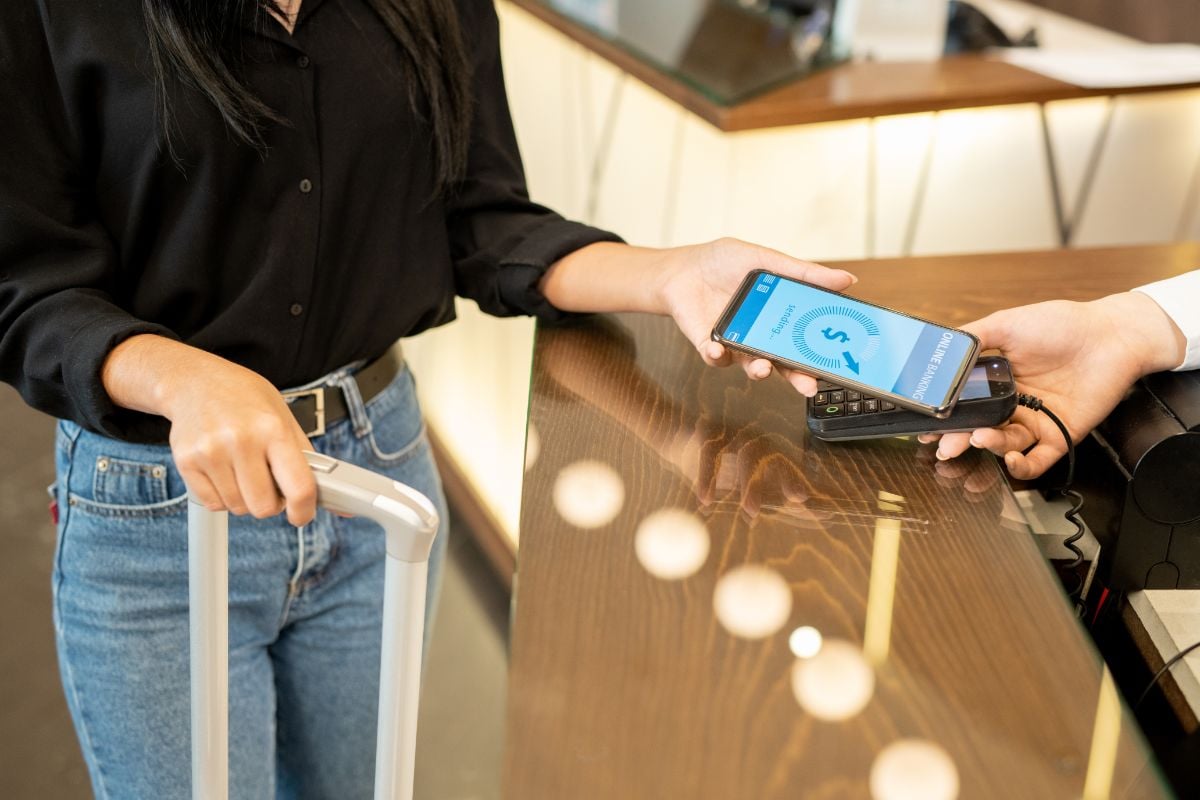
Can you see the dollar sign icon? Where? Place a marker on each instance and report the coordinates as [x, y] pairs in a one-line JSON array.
[[840, 335]]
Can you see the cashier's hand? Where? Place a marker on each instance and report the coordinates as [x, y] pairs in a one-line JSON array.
[[698, 284], [1080, 359]]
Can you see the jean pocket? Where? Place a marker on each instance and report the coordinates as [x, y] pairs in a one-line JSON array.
[[171, 507], [390, 446], [123, 482], [397, 429]]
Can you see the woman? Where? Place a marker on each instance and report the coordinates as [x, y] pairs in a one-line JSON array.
[[202, 204]]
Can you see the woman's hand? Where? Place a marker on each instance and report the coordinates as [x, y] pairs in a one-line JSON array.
[[698, 282], [692, 284], [235, 442], [1080, 359]]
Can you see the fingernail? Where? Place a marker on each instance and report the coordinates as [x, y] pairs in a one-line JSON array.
[[942, 456], [853, 278], [975, 443]]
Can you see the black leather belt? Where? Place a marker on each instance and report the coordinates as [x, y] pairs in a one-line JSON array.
[[317, 409]]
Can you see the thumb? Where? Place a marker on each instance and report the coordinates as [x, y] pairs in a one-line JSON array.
[[1031, 465], [807, 271], [992, 331]]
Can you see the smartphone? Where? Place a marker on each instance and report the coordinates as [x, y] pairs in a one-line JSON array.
[[913, 363], [988, 399]]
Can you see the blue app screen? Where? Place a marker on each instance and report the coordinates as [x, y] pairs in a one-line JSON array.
[[838, 335]]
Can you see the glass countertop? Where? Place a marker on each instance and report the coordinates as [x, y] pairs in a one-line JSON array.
[[725, 51], [711, 603]]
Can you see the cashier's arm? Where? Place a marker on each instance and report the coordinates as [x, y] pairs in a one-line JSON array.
[[1080, 359], [692, 284]]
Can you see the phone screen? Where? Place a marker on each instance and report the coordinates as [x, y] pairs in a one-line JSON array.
[[844, 337]]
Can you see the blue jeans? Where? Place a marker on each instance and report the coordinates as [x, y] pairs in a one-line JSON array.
[[305, 612]]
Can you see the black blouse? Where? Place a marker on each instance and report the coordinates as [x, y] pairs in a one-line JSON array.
[[324, 251]]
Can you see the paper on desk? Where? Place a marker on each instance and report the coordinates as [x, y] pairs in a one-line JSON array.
[[1112, 68]]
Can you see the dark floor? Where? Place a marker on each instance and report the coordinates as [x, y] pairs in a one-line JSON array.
[[462, 704]]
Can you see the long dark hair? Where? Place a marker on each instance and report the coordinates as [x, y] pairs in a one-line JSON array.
[[197, 41]]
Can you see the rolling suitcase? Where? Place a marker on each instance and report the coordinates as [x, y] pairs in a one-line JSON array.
[[410, 523]]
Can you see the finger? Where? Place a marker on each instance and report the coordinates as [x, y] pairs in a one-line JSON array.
[[804, 384], [795, 493], [928, 438], [926, 455], [714, 353], [981, 479], [757, 369], [993, 331], [953, 445], [1035, 462], [256, 485], [943, 480], [201, 489], [952, 469], [708, 470], [836, 279], [295, 480], [751, 503], [1014, 436], [225, 482]]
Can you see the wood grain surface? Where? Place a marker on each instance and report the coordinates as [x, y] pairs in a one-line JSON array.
[[850, 91], [626, 685]]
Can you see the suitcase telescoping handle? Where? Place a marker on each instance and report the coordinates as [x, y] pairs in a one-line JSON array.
[[410, 522]]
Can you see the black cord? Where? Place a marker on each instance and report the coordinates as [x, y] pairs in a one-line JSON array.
[[1175, 659], [1072, 514]]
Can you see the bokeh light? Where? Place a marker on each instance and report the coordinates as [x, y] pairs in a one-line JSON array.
[[752, 601], [805, 642], [671, 544], [913, 769], [836, 683], [533, 447], [589, 494]]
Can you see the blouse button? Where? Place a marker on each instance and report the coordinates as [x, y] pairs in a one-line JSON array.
[[296, 309], [306, 186], [303, 62]]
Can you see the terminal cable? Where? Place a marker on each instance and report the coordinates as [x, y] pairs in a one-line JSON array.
[[1072, 514], [1035, 404], [1175, 659]]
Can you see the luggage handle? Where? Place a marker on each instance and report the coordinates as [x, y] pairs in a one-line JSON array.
[[410, 523]]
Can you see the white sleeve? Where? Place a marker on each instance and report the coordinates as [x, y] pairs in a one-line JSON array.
[[1180, 298]]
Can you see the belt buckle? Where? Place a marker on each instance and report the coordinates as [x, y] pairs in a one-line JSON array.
[[318, 395]]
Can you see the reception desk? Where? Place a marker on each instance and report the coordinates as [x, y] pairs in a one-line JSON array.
[[712, 604], [964, 155]]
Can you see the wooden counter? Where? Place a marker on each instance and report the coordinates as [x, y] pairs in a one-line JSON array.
[[918, 575], [850, 91]]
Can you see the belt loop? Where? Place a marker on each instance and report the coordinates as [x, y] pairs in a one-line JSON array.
[[354, 403]]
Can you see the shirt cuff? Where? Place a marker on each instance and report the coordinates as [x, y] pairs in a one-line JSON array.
[[521, 270], [1179, 297], [83, 361]]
